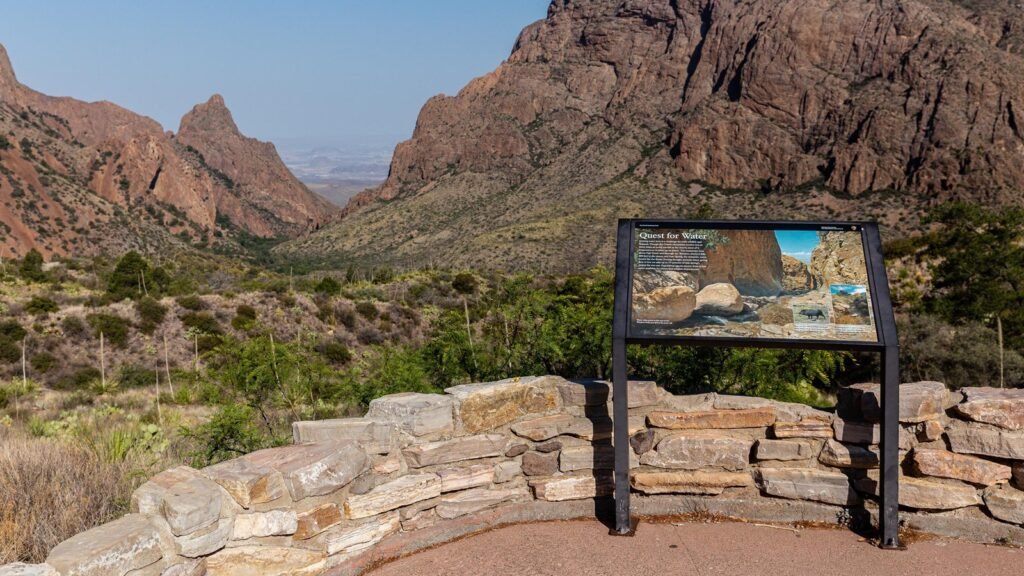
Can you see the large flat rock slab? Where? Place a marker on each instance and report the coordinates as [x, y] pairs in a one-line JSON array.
[[1005, 503], [351, 540], [1002, 407], [688, 482], [454, 479], [457, 450], [572, 487], [783, 450], [263, 524], [486, 406], [265, 561], [985, 440], [116, 548], [839, 455], [812, 427], [372, 435], [585, 392], [713, 419], [477, 499], [414, 413], [600, 457], [919, 401], [943, 464], [314, 469], [695, 450], [248, 483], [925, 494], [543, 428], [807, 484], [185, 498], [393, 495]]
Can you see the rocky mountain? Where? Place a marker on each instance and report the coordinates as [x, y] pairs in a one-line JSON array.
[[80, 178], [763, 108]]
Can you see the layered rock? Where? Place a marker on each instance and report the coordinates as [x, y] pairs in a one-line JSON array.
[[608, 109]]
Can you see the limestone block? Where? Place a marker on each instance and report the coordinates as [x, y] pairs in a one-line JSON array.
[[1005, 503], [925, 494], [688, 482], [247, 482], [262, 524], [713, 419], [414, 413], [540, 464], [453, 479], [349, 540], [985, 440], [600, 457], [456, 450], [391, 495], [919, 401], [839, 455], [695, 450], [807, 484], [21, 569], [943, 464], [188, 500], [477, 499], [317, 520], [574, 487], [372, 435], [1001, 407], [813, 427], [314, 469], [486, 406], [128, 543], [783, 450], [543, 428], [507, 471], [584, 392], [265, 561], [205, 541]]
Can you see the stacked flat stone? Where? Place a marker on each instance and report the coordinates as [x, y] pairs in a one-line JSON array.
[[420, 469]]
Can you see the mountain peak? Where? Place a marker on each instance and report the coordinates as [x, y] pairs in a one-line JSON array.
[[210, 116], [8, 80]]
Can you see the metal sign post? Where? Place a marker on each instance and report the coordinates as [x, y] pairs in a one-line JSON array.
[[882, 340]]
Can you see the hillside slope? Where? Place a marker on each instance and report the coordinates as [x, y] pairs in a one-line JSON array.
[[781, 108], [86, 178]]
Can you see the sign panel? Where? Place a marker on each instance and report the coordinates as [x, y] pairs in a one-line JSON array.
[[796, 282]]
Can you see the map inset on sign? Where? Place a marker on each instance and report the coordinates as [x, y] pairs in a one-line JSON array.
[[801, 284]]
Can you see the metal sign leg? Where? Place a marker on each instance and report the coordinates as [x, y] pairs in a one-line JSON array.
[[620, 416], [889, 489]]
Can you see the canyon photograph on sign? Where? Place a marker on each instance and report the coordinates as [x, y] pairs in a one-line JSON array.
[[334, 288], [798, 284]]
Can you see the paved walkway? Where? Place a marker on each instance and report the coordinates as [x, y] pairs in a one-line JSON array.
[[583, 548]]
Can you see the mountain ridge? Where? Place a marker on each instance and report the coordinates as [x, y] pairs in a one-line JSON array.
[[613, 108], [86, 178]]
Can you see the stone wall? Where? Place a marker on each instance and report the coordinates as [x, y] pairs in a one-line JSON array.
[[422, 469]]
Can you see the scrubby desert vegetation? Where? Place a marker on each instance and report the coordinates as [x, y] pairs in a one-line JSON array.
[[112, 370]]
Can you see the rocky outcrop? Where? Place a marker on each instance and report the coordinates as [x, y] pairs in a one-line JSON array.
[[796, 276], [90, 177], [789, 108], [342, 502], [839, 259]]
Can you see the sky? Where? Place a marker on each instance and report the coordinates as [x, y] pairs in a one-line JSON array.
[[320, 71], [797, 243]]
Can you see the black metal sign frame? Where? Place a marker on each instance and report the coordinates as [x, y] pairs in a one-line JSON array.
[[887, 345]]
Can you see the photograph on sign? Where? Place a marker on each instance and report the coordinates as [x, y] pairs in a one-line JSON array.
[[800, 283]]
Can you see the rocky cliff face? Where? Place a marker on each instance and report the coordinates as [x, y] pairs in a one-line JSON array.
[[625, 107], [83, 178]]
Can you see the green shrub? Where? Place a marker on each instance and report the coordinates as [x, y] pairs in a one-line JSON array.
[[464, 283], [131, 278], [10, 351], [43, 362], [151, 314], [41, 306], [328, 286], [135, 376], [12, 331], [245, 318], [79, 379], [114, 328], [72, 326], [347, 317], [191, 302], [202, 322], [367, 310], [231, 432], [335, 352], [31, 268]]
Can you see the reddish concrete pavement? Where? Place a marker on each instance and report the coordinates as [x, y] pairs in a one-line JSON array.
[[583, 548]]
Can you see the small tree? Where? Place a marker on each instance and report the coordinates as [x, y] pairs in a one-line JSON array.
[[978, 269], [32, 267], [131, 278]]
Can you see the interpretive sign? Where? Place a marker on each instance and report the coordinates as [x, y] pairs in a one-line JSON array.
[[793, 282], [815, 285]]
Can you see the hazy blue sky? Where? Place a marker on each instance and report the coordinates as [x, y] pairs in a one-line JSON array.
[[340, 70], [798, 243]]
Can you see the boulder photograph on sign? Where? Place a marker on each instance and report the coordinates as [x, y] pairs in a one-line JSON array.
[[751, 283]]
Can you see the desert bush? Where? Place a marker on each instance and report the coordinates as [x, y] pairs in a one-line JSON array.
[[245, 318], [346, 316], [51, 490], [335, 352], [960, 355], [135, 376], [79, 379], [370, 336], [465, 283], [151, 314], [231, 432], [132, 278], [73, 327], [191, 302], [367, 310], [31, 267], [203, 322], [41, 306], [43, 362], [328, 286], [114, 328]]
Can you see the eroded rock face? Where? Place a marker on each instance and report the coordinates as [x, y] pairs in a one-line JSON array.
[[769, 96], [796, 275]]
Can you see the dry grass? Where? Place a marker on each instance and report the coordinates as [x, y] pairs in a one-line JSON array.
[[51, 490]]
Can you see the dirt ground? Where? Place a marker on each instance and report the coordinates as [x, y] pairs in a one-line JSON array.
[[584, 548]]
